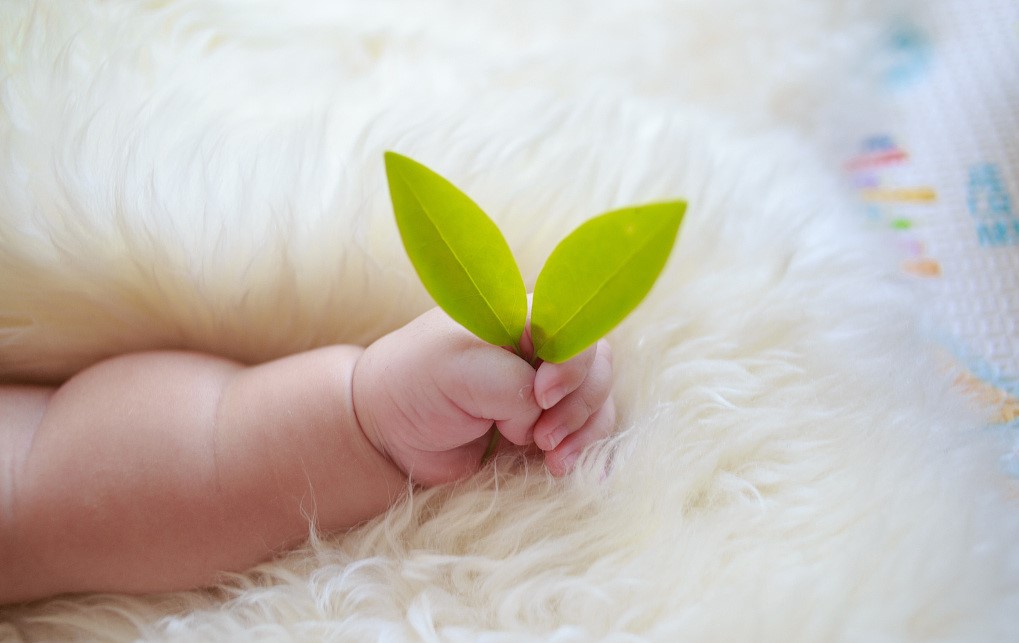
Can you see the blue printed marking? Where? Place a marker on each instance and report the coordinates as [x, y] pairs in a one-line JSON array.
[[911, 53], [878, 143], [991, 205], [999, 233]]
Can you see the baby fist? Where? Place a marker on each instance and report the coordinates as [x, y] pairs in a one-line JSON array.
[[428, 394]]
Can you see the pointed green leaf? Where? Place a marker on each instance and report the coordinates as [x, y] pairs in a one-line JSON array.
[[598, 274], [458, 252]]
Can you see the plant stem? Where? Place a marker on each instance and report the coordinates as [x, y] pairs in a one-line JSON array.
[[493, 443]]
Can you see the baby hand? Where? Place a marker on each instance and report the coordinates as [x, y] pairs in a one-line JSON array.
[[428, 394]]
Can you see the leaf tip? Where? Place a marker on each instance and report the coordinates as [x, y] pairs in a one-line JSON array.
[[676, 208], [393, 159]]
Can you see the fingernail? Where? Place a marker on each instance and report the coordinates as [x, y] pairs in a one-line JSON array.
[[557, 436], [569, 460], [552, 397]]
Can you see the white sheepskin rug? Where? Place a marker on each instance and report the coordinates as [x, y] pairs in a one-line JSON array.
[[792, 462]]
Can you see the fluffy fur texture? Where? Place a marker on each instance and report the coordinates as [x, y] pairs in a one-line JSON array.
[[792, 464]]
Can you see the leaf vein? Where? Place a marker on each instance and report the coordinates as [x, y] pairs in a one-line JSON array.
[[459, 260], [594, 293]]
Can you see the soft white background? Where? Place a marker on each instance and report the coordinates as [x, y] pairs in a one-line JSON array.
[[792, 463]]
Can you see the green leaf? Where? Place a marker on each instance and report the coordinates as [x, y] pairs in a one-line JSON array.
[[458, 252], [598, 274]]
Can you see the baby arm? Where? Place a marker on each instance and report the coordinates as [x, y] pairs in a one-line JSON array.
[[156, 471]]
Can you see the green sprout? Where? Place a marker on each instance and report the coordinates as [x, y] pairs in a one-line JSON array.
[[592, 280]]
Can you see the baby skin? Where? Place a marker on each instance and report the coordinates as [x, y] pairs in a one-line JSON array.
[[157, 471]]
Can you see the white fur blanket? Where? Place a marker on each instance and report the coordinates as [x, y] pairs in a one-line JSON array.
[[792, 464]]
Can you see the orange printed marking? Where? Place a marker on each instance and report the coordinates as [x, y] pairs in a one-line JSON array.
[[908, 195], [1007, 406], [924, 267], [1009, 410]]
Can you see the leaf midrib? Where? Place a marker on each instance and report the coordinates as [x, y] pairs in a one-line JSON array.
[[431, 219], [582, 307]]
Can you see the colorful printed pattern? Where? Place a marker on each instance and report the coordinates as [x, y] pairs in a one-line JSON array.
[[943, 179], [904, 209], [869, 170]]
